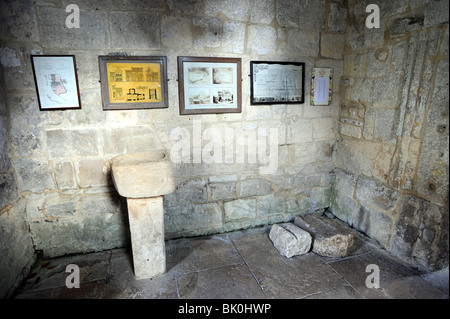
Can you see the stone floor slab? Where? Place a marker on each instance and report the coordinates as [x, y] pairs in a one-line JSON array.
[[344, 292], [122, 284], [197, 254], [353, 270], [228, 282], [238, 265], [283, 278], [51, 273]]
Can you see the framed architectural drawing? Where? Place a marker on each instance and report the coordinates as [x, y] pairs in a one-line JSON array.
[[321, 86], [277, 82], [56, 82], [209, 85], [138, 82]]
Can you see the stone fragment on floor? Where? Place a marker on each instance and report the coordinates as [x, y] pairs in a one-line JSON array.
[[331, 237], [290, 240]]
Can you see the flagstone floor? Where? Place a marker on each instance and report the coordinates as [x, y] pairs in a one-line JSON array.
[[238, 265]]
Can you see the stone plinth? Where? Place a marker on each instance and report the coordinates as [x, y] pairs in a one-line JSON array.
[[143, 178], [331, 237], [290, 240], [146, 218]]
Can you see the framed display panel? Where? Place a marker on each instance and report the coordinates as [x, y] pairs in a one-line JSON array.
[[277, 82], [138, 82], [321, 86], [56, 82], [209, 85]]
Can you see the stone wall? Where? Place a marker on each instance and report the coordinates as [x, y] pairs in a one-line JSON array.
[[61, 158], [392, 157], [16, 247]]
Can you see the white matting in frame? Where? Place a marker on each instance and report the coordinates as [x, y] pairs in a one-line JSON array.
[[56, 82]]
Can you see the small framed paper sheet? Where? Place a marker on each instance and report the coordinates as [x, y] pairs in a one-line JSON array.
[[56, 82], [321, 86]]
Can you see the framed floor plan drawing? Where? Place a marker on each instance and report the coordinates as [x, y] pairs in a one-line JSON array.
[[277, 82], [209, 85], [129, 82], [56, 82]]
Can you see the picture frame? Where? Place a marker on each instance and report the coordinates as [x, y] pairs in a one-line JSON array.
[[321, 86], [208, 85], [273, 82], [133, 82], [56, 81]]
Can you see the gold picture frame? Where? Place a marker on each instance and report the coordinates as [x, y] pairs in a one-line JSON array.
[[133, 82]]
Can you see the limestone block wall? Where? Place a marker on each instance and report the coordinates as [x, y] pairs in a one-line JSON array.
[[392, 159], [16, 247], [59, 160]]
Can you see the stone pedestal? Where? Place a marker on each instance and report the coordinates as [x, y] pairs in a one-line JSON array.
[[146, 218], [143, 178]]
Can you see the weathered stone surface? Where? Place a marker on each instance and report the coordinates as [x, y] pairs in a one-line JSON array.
[[185, 7], [142, 175], [331, 238], [191, 219], [332, 45], [254, 187], [337, 19], [55, 34], [299, 131], [234, 37], [92, 173], [16, 249], [404, 25], [212, 32], [188, 191], [142, 30], [262, 40], [290, 240], [343, 205], [8, 189], [234, 9], [378, 62], [18, 21], [376, 194], [176, 32], [374, 223], [67, 143], [64, 175], [240, 209], [73, 235], [262, 11], [421, 233], [433, 169], [366, 158], [135, 139], [271, 205], [146, 217], [320, 198], [34, 175], [303, 42], [59, 208], [301, 13], [221, 191], [436, 13]]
